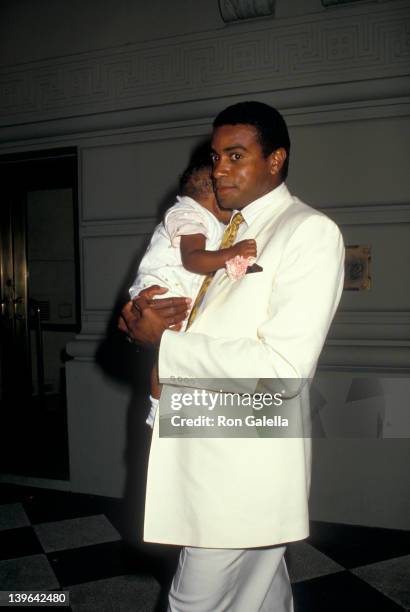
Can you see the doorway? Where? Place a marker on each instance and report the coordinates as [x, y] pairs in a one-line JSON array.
[[40, 308]]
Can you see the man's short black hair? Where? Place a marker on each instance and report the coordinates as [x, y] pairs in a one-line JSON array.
[[270, 126], [196, 180]]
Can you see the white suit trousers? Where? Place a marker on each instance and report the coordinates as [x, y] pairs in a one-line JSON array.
[[231, 580]]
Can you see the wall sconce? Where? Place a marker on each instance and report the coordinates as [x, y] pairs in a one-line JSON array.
[[357, 268]]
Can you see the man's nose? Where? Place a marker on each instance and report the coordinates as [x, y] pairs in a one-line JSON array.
[[221, 168]]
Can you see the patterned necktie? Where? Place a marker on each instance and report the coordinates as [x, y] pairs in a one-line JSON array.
[[227, 241]]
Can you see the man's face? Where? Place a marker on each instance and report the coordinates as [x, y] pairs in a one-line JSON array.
[[241, 174]]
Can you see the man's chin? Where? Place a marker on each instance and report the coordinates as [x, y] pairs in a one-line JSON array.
[[225, 203]]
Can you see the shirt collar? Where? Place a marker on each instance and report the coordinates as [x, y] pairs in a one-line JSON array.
[[275, 200]]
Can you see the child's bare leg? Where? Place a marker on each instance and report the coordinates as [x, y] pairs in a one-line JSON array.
[[154, 395], [155, 385]]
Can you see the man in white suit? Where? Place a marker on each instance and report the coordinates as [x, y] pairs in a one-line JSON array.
[[233, 503]]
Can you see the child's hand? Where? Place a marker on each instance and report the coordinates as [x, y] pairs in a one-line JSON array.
[[244, 248]]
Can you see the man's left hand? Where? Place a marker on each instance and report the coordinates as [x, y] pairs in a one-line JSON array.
[[145, 319]]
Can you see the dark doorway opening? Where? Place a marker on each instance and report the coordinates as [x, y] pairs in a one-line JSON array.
[[40, 308]]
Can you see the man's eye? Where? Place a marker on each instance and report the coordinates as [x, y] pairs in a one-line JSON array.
[[214, 157], [236, 156]]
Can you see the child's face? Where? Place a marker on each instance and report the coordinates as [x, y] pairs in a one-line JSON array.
[[208, 200]]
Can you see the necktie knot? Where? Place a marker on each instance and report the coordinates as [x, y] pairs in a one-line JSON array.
[[237, 219]]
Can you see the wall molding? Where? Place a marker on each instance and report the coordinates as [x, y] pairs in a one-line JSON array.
[[327, 3], [379, 318], [353, 45], [361, 356], [118, 227], [301, 107], [369, 214], [343, 215], [341, 356], [384, 317], [373, 317]]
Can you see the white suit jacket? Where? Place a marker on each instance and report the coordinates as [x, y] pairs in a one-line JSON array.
[[249, 492]]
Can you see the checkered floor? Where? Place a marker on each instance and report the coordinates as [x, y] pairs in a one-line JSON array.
[[51, 540]]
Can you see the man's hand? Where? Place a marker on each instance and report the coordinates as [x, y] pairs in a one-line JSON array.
[[145, 319]]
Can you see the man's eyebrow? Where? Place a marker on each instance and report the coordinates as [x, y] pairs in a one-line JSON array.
[[232, 148]]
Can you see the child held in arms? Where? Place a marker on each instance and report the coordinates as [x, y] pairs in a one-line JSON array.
[[184, 248]]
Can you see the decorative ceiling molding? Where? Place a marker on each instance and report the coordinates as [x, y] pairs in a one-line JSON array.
[[335, 2], [353, 46], [235, 10]]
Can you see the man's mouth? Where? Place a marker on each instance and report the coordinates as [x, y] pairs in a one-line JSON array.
[[223, 188]]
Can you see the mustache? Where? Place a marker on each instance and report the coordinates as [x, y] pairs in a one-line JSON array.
[[222, 185]]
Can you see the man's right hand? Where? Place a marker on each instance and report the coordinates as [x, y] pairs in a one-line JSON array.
[[145, 319]]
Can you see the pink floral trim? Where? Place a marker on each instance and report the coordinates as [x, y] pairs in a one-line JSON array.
[[237, 266]]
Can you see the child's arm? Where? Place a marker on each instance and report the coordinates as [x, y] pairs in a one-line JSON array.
[[196, 258]]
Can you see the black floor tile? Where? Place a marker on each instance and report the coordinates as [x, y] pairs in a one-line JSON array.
[[353, 546], [34, 434], [48, 506], [45, 505], [95, 562], [20, 542], [340, 592], [114, 510], [10, 493]]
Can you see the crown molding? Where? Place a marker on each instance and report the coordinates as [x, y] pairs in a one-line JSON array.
[[354, 46]]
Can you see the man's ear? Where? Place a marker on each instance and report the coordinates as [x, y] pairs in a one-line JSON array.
[[277, 159]]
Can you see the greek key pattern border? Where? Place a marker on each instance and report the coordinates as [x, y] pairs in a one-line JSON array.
[[367, 44]]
